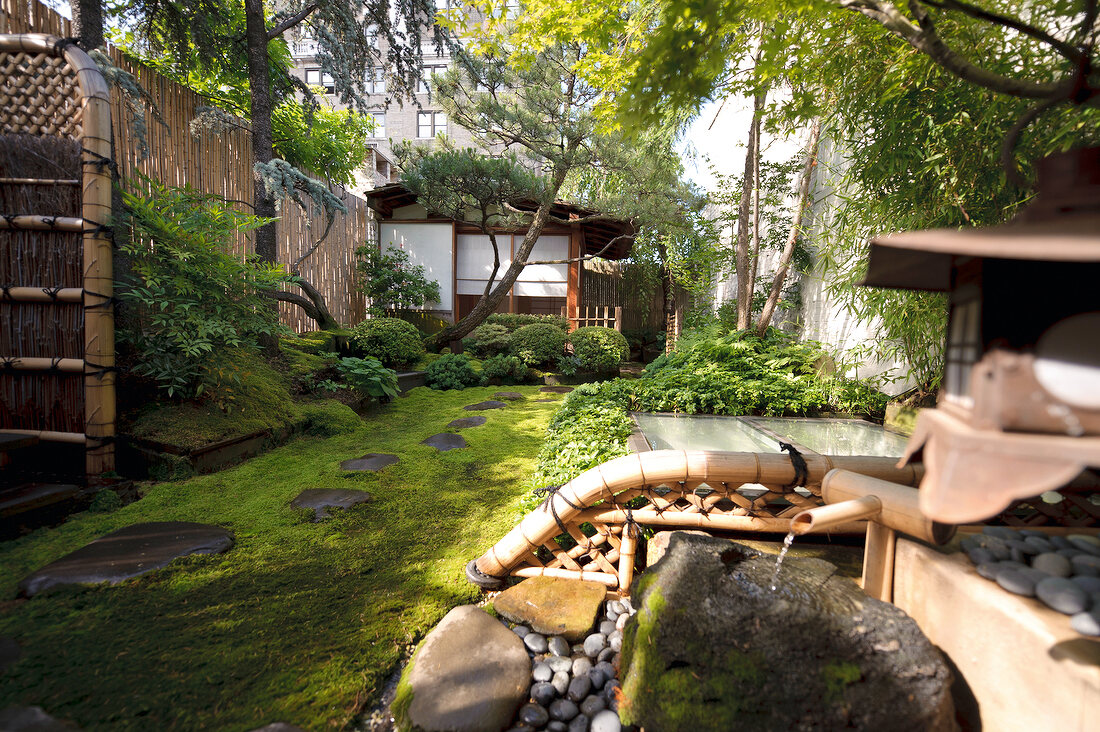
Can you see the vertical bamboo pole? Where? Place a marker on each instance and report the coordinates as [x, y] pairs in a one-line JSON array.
[[626, 557], [878, 561]]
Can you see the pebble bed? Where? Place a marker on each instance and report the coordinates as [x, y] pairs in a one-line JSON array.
[[573, 686], [1061, 571]]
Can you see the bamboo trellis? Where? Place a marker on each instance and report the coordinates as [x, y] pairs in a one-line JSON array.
[[723, 491], [608, 317]]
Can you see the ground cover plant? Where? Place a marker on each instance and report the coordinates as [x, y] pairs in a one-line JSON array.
[[599, 349], [299, 622], [451, 371], [392, 341]]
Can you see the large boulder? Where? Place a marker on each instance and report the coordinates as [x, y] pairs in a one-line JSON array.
[[714, 648], [553, 605], [469, 674]]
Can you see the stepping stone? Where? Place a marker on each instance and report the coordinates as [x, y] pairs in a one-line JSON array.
[[511, 396], [370, 463], [9, 652], [32, 719], [464, 422], [544, 401], [445, 441], [485, 405], [553, 605], [320, 500], [128, 553], [469, 674], [556, 389]]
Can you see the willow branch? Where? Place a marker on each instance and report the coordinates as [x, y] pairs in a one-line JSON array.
[[1066, 49]]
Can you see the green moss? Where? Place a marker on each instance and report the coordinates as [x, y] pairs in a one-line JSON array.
[[837, 677], [329, 418], [403, 695], [299, 622]]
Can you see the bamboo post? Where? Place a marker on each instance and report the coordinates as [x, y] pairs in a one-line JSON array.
[[878, 561], [626, 557], [619, 318]]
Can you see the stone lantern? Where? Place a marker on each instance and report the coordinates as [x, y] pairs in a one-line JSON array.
[[1019, 410]]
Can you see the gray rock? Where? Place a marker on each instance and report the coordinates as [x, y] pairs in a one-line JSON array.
[[597, 677], [1086, 543], [533, 715], [1001, 532], [979, 555], [560, 682], [543, 693], [606, 721], [1023, 547], [578, 650], [1040, 543], [521, 630], [609, 691], [557, 726], [1086, 583], [581, 666], [606, 669], [615, 641], [521, 728], [1060, 542], [559, 646], [593, 705], [989, 571], [511, 396], [1017, 581], [541, 672], [445, 441], [372, 462], [481, 406], [1086, 564], [606, 654], [620, 623], [466, 422], [127, 553], [559, 663], [1053, 564], [556, 389], [1086, 623], [1036, 575], [1062, 595], [32, 719], [535, 642], [322, 500], [563, 710], [594, 643], [607, 627], [579, 723], [617, 607], [1094, 601], [470, 673], [578, 689], [1069, 553]]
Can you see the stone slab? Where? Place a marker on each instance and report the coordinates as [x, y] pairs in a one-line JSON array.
[[553, 605], [370, 463], [511, 396], [544, 401], [464, 422], [128, 553], [469, 674], [491, 404], [656, 547], [556, 389], [32, 719], [321, 500], [445, 441]]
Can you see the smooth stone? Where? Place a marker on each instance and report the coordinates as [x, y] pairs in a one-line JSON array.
[[445, 441], [10, 651], [370, 463], [521, 728], [615, 641], [605, 655], [1053, 564], [279, 727], [560, 664], [1016, 555], [617, 607], [1016, 581], [1062, 595], [32, 719], [557, 726], [481, 406], [628, 606], [997, 547], [511, 396], [1086, 564], [1023, 547], [542, 672], [556, 389], [1069, 553], [543, 693], [535, 642], [533, 715], [1094, 601], [579, 723], [560, 682], [593, 705], [1060, 542], [609, 690], [322, 500], [563, 710], [605, 668], [465, 422], [470, 673], [521, 630], [620, 623], [597, 677], [578, 650], [594, 643], [1026, 533], [579, 688], [612, 615], [1040, 543], [552, 605], [607, 627], [606, 721], [581, 666], [1001, 532], [1086, 543], [988, 570], [969, 543], [1036, 575], [1086, 583], [127, 553], [980, 556], [559, 646], [1086, 623]]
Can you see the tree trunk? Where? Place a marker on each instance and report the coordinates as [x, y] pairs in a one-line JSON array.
[[755, 209], [88, 23], [745, 266], [796, 223], [669, 299], [313, 304], [263, 149]]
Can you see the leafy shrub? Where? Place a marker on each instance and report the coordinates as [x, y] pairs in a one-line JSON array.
[[392, 282], [515, 321], [329, 418], [191, 300], [392, 341], [509, 369], [538, 343], [599, 349], [369, 376], [488, 339], [452, 371]]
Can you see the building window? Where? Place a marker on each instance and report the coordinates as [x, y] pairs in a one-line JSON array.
[[377, 82], [424, 85], [314, 77], [379, 124], [430, 124], [372, 37]]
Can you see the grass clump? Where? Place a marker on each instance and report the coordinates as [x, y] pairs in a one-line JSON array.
[[452, 371]]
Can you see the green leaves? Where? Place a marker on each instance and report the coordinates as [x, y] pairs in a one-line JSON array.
[[392, 283], [369, 376]]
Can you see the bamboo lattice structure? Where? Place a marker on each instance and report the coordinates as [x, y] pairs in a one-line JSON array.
[[721, 491], [49, 88]]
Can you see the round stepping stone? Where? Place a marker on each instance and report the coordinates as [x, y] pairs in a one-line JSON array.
[[464, 422], [480, 406], [369, 463], [511, 396], [320, 500], [128, 553], [445, 441], [32, 719], [556, 389], [545, 401]]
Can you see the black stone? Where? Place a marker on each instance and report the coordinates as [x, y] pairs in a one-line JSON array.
[[464, 422], [511, 396], [480, 406], [543, 693], [533, 715], [556, 389], [445, 441], [563, 710], [370, 463], [578, 689], [1088, 584], [320, 500], [128, 553]]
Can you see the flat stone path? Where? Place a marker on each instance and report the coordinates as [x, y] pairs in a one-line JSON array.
[[553, 605], [445, 441], [320, 500], [512, 396], [370, 463], [556, 389], [491, 404], [128, 553], [464, 422]]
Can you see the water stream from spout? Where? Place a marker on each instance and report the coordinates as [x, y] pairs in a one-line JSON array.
[[779, 560]]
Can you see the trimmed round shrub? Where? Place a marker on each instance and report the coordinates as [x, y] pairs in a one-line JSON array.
[[488, 339], [514, 321], [392, 341], [509, 369], [452, 371], [538, 343], [598, 349]]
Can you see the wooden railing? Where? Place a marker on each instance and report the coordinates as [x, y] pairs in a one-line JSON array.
[[588, 315]]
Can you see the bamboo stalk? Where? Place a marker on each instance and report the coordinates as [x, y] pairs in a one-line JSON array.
[[35, 222], [900, 504], [610, 580], [42, 295], [73, 438], [833, 514], [38, 182], [28, 363], [626, 559], [878, 561]]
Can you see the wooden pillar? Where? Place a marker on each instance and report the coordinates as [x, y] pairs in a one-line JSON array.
[[573, 281]]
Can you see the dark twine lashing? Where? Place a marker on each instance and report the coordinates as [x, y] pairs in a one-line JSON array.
[[801, 470]]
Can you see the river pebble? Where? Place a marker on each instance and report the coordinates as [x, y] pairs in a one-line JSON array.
[[618, 607], [542, 672], [563, 710], [579, 723], [1016, 581], [606, 654], [1087, 544], [1060, 542], [615, 641], [607, 627], [979, 555], [1062, 595], [543, 692], [521, 630], [534, 715], [597, 677], [1086, 623], [560, 682], [1040, 543], [1001, 532], [557, 726], [592, 705], [581, 666], [1086, 564], [535, 642], [594, 643], [558, 646], [606, 721], [559, 663], [1053, 564], [580, 687], [988, 570], [1086, 583], [621, 622]]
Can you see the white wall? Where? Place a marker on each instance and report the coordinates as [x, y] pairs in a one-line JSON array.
[[545, 280], [475, 263], [428, 245]]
